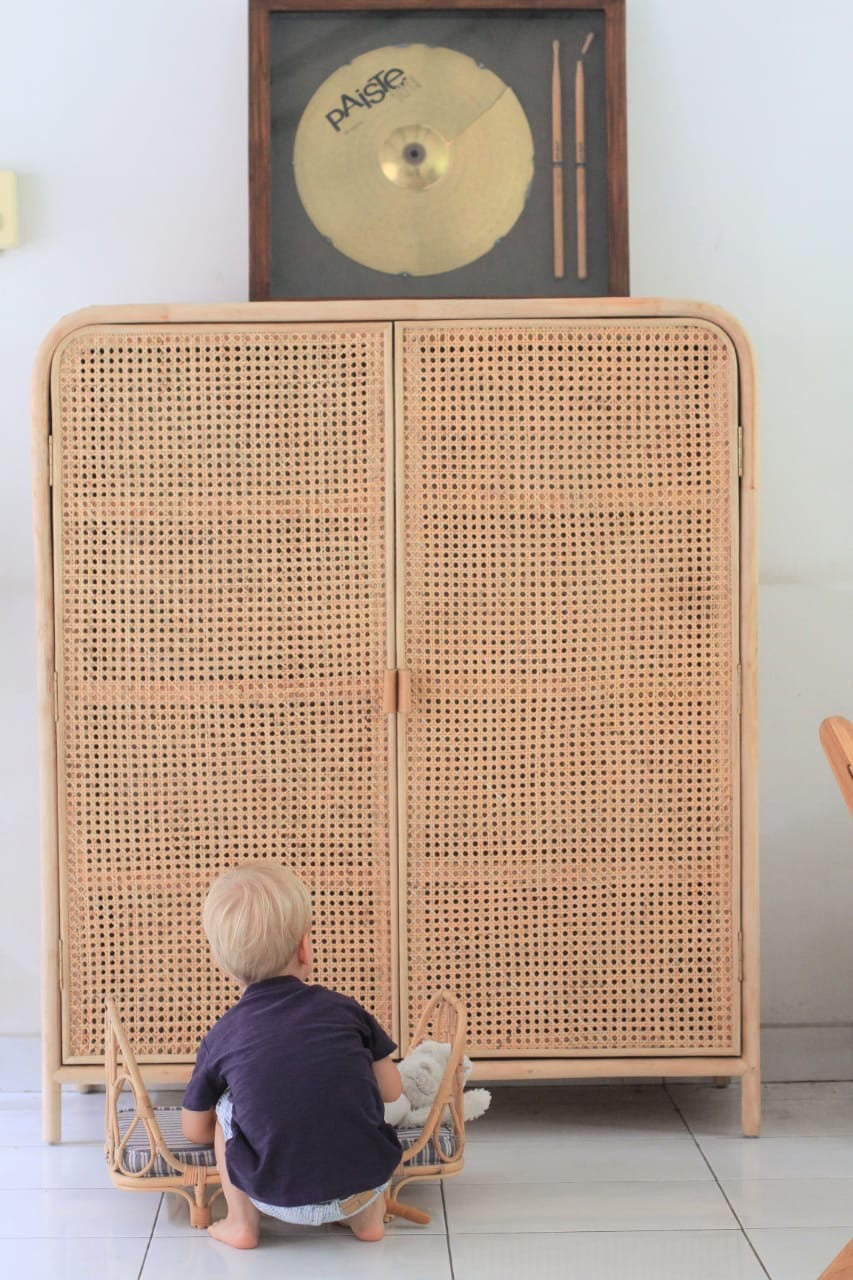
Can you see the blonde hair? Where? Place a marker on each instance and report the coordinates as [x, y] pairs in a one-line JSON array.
[[255, 916]]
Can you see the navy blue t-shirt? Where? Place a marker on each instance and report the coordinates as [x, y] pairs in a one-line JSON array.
[[308, 1120]]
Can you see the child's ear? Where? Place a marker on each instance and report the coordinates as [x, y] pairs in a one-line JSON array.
[[303, 951]]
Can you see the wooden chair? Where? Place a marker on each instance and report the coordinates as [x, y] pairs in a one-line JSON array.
[[436, 1150], [836, 736], [145, 1148]]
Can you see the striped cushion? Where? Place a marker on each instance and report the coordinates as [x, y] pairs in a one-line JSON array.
[[137, 1153], [446, 1141]]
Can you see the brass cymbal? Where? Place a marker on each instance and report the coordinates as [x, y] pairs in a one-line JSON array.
[[413, 159]]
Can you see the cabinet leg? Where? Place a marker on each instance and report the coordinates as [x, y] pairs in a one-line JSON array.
[[750, 1103], [51, 1112]]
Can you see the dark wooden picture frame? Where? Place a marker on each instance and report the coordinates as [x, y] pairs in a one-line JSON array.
[[289, 258]]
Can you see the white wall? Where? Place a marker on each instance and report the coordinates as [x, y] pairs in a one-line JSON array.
[[127, 125]]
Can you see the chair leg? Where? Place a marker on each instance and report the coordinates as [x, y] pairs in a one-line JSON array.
[[201, 1203], [394, 1209], [841, 1268], [200, 1215]]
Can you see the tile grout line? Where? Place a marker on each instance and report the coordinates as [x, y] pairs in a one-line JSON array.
[[683, 1119], [447, 1230], [151, 1234]]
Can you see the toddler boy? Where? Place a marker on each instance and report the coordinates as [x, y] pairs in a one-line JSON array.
[[290, 1082]]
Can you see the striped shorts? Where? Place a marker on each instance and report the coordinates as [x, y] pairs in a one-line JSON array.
[[303, 1215]]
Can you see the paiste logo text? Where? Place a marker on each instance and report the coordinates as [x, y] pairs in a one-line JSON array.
[[374, 91]]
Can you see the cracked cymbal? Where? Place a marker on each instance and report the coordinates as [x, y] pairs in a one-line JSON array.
[[413, 159]]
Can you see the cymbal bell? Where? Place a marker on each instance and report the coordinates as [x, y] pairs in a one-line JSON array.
[[413, 159], [414, 156]]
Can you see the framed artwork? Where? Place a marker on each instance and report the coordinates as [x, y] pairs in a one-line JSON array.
[[461, 148]]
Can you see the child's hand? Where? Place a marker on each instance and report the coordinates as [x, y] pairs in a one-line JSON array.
[[388, 1079]]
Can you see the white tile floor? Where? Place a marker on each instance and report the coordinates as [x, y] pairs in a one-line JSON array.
[[589, 1182]]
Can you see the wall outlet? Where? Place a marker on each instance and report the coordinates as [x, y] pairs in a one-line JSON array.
[[8, 209]]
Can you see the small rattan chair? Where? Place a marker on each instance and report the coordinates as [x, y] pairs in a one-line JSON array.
[[436, 1150], [145, 1148]]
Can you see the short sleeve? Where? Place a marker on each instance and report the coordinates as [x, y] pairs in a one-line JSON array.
[[206, 1084], [377, 1040]]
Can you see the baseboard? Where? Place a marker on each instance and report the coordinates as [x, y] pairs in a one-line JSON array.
[[810, 1052], [20, 1064]]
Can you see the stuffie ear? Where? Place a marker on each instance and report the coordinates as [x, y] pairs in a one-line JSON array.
[[421, 1075]]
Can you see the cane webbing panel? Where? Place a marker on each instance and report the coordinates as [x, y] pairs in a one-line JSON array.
[[221, 639], [570, 589]]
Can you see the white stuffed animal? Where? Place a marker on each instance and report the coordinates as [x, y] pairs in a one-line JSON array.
[[421, 1073]]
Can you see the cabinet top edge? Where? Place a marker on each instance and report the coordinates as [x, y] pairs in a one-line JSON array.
[[378, 310]]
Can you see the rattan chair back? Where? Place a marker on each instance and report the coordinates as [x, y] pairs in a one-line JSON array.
[[438, 1151], [137, 1132]]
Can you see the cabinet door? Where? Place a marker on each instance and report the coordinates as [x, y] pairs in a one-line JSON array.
[[568, 596], [222, 635]]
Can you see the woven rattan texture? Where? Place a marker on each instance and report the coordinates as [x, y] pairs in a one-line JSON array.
[[570, 613], [222, 642]]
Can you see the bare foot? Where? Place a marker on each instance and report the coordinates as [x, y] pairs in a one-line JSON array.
[[236, 1232], [369, 1223], [241, 1224]]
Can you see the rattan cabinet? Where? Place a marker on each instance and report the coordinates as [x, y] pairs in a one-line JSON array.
[[452, 606]]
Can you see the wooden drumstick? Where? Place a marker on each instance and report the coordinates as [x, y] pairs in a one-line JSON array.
[[580, 167], [557, 159]]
